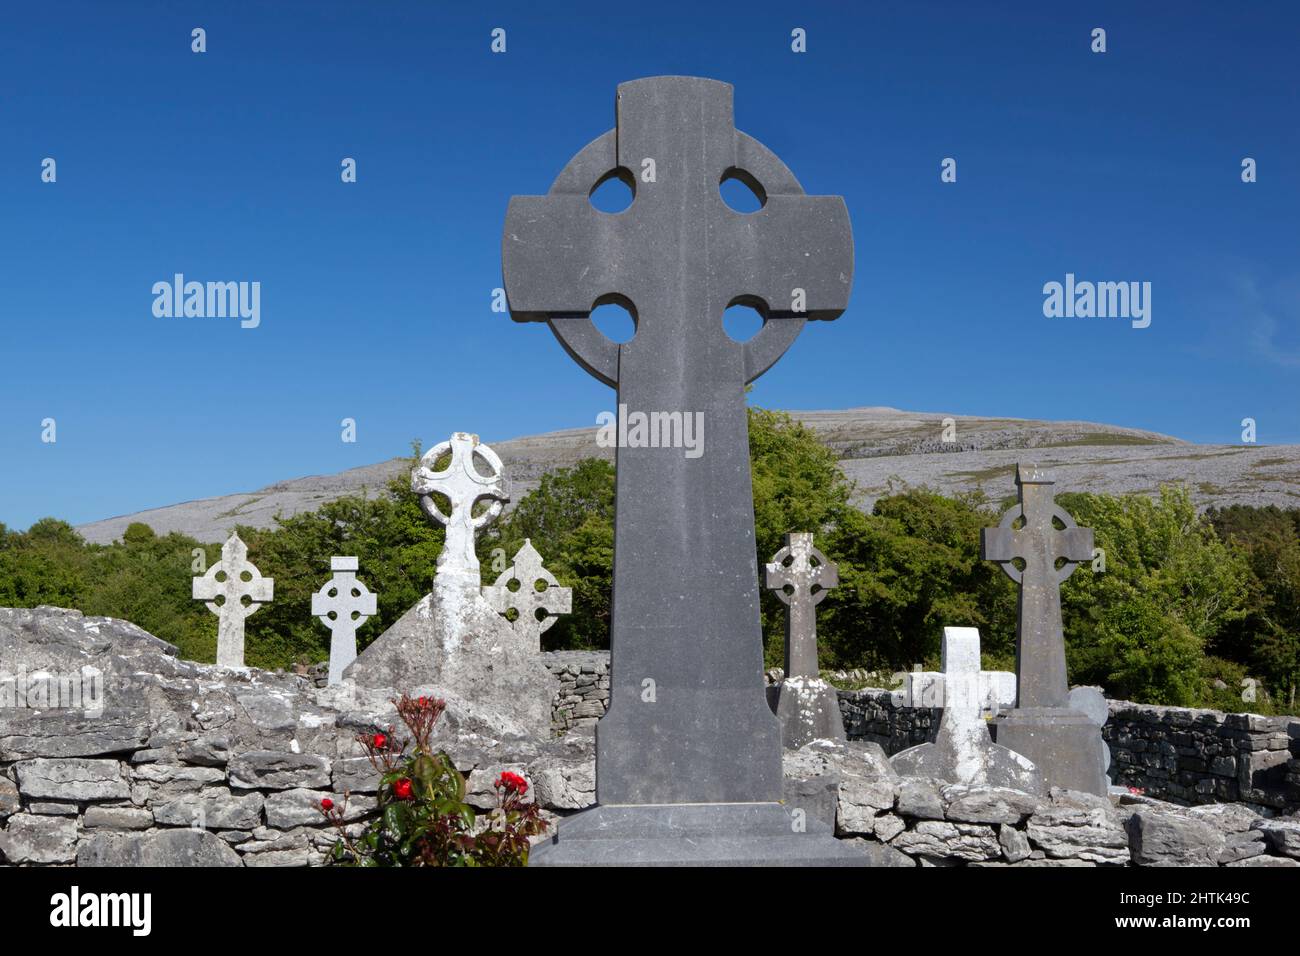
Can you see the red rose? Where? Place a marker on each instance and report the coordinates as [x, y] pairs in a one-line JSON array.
[[402, 789], [327, 804], [512, 781], [380, 741]]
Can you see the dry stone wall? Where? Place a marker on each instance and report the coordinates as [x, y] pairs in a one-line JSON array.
[[1176, 754], [187, 764]]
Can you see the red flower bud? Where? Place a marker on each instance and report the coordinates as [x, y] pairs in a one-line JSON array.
[[402, 789], [379, 741], [513, 782], [327, 804]]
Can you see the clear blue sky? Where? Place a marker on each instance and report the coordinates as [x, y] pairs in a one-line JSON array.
[[376, 295]]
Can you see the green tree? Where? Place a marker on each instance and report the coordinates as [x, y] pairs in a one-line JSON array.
[[1268, 638], [1170, 585]]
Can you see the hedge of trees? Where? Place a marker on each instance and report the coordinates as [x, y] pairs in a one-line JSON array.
[[1192, 610]]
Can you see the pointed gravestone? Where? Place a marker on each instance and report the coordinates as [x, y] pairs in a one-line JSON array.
[[343, 604], [1038, 533], [807, 706], [233, 589], [688, 764], [535, 608], [963, 751], [453, 641]]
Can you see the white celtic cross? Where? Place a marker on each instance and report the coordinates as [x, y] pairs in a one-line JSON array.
[[233, 589], [527, 601], [464, 487], [343, 604]]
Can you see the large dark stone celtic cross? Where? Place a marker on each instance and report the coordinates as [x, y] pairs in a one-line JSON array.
[[687, 721], [1040, 641]]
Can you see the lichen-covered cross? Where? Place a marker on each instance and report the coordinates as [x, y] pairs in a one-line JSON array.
[[463, 487], [535, 609], [233, 589], [800, 576], [1039, 543], [343, 604]]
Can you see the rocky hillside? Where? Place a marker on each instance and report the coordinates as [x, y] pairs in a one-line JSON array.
[[878, 447]]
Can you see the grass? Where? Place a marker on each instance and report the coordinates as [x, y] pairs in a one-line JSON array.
[[986, 474], [1107, 438], [235, 511]]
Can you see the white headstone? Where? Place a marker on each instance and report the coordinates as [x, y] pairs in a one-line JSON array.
[[536, 609], [343, 604], [233, 589], [464, 487], [963, 752], [994, 690]]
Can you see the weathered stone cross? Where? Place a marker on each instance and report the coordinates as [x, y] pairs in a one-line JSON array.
[[792, 567], [687, 722], [1064, 744], [464, 487], [807, 706], [527, 600], [1040, 642], [343, 604], [233, 589]]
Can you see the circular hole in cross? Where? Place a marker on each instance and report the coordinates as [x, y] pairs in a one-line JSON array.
[[615, 318], [513, 585], [742, 320], [741, 191], [614, 191]]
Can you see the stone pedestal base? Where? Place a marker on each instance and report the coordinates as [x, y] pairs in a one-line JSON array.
[[700, 834], [1065, 746], [808, 708]]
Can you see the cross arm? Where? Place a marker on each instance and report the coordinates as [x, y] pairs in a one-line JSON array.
[[999, 544], [1074, 544], [775, 578]]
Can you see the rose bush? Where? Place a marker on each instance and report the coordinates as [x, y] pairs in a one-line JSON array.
[[422, 818]]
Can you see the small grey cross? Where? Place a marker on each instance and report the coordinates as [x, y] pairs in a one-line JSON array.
[[800, 575], [343, 604], [464, 487], [536, 610], [233, 589], [1039, 543]]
